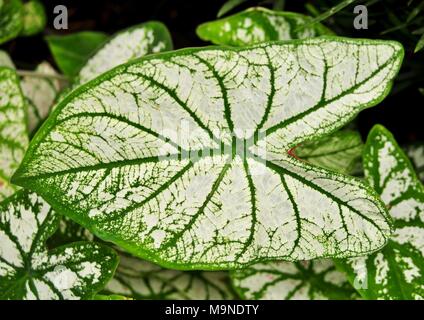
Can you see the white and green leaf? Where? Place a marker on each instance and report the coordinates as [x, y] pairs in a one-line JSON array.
[[395, 272], [41, 93], [13, 130], [129, 44], [143, 280], [182, 158], [10, 20], [339, 152], [33, 18], [72, 51], [302, 280], [256, 25], [29, 271]]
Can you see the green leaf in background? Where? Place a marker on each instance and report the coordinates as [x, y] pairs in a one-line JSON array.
[[72, 51], [325, 15], [143, 280], [10, 20], [182, 158], [34, 18], [395, 272], [420, 44], [339, 151], [416, 153], [28, 271], [228, 6], [13, 129], [5, 60], [41, 93], [302, 280], [257, 25], [126, 45]]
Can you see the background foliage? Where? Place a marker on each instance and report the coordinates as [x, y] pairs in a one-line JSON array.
[[400, 20]]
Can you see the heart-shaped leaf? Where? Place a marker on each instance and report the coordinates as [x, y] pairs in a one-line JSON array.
[[339, 151], [396, 272], [13, 130], [41, 93], [29, 271], [10, 20], [144, 280], [72, 51], [33, 18], [416, 153], [182, 158], [257, 25], [134, 42], [307, 280]]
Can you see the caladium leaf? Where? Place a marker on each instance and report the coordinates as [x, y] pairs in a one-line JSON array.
[[29, 271], [10, 20], [416, 153], [302, 280], [183, 158], [34, 18], [5, 60], [72, 51], [339, 151], [134, 42], [396, 272], [13, 131], [142, 280], [41, 93], [257, 25]]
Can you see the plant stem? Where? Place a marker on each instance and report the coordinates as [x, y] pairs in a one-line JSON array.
[[26, 73]]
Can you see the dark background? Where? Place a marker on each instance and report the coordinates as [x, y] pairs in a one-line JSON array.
[[401, 112]]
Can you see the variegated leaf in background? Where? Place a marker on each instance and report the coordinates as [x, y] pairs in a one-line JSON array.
[[41, 93], [339, 151], [29, 271], [182, 158], [10, 19], [302, 280], [33, 18], [126, 45], [397, 271], [140, 279], [416, 153], [13, 129], [257, 25]]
